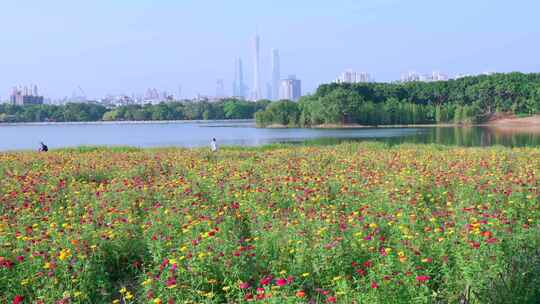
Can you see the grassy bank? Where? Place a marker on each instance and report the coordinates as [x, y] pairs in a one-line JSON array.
[[351, 223]]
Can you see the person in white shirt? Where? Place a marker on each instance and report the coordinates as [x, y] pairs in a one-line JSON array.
[[213, 145]]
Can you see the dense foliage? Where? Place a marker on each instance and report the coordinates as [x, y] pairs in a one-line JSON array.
[[464, 100], [75, 112], [225, 109], [43, 113], [353, 223]]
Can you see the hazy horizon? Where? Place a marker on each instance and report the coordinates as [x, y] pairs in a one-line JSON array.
[[125, 47]]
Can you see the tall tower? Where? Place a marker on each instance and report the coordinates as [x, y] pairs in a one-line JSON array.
[[220, 89], [239, 88], [257, 92], [276, 74]]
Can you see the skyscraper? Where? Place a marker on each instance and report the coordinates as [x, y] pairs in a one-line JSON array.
[[257, 92], [239, 89], [276, 74], [291, 88], [269, 89], [220, 88]]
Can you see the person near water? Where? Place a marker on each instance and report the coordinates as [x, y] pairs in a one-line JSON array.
[[43, 147], [213, 145]]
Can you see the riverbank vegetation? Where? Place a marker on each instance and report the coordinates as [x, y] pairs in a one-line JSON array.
[[83, 112], [351, 223], [462, 101]]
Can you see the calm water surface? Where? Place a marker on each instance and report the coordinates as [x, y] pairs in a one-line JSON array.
[[195, 134]]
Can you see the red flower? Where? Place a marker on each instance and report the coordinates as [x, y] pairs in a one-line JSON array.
[[300, 294], [331, 299], [281, 282], [374, 285], [361, 271], [18, 299], [244, 285], [423, 278], [492, 240], [266, 280]]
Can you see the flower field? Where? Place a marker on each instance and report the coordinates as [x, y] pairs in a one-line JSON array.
[[350, 223]]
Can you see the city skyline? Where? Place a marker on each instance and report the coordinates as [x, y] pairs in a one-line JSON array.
[[161, 45]]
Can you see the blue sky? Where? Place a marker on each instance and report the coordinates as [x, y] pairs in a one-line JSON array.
[[126, 46]]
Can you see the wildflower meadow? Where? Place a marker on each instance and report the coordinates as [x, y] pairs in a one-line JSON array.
[[348, 223]]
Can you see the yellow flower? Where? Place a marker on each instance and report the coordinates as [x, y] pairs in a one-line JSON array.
[[157, 301], [123, 290], [129, 295], [64, 254], [305, 274]]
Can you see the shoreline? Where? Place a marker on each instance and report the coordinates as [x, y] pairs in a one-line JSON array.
[[507, 122], [125, 122]]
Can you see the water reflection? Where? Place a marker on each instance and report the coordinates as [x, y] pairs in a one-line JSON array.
[[462, 136], [199, 134]]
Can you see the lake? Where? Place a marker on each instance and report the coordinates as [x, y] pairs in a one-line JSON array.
[[244, 133]]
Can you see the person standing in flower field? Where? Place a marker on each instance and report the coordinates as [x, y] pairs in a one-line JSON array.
[[43, 147], [213, 145]]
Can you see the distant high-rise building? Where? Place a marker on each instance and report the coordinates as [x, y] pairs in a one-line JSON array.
[[220, 88], [411, 76], [276, 74], [239, 88], [353, 77], [434, 76], [257, 91], [269, 91], [290, 88], [26, 95], [438, 76]]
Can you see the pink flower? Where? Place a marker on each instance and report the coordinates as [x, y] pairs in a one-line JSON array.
[[244, 285], [423, 278], [374, 285], [171, 281], [281, 282]]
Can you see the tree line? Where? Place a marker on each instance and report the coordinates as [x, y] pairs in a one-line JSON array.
[[464, 100], [86, 112]]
